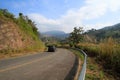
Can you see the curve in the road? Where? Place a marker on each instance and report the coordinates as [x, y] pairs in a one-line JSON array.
[[46, 66]]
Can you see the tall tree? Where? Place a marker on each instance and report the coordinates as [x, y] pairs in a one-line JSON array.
[[20, 14], [76, 36]]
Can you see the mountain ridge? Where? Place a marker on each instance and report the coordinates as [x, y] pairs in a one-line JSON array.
[[106, 32], [55, 33]]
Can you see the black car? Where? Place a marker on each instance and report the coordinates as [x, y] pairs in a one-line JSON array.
[[51, 48]]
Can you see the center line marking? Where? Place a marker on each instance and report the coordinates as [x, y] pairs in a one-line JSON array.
[[18, 66]]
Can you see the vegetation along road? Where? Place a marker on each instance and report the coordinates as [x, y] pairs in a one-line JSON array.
[[45, 66]]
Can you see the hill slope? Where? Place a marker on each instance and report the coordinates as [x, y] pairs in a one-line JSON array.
[[110, 31], [18, 34]]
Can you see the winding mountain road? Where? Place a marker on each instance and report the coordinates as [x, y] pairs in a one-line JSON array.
[[41, 66]]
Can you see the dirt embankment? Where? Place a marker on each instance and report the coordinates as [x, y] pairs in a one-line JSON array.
[[14, 40], [10, 36]]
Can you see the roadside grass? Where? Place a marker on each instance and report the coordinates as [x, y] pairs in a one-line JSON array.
[[6, 53], [18, 53], [95, 71], [78, 54], [80, 64], [107, 56]]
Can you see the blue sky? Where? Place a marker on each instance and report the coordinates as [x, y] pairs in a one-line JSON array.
[[48, 8], [66, 14]]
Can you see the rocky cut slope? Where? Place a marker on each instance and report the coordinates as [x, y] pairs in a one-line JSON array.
[[10, 36], [18, 34]]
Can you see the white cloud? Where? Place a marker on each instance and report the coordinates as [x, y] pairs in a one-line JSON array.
[[43, 23], [42, 19], [93, 9]]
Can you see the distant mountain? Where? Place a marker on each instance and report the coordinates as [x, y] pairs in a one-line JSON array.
[[113, 27], [56, 34], [109, 31]]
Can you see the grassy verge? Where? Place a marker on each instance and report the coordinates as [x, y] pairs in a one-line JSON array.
[[107, 56], [80, 62], [78, 54], [20, 52], [95, 71]]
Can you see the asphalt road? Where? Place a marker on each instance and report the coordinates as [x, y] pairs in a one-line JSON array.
[[41, 66]]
